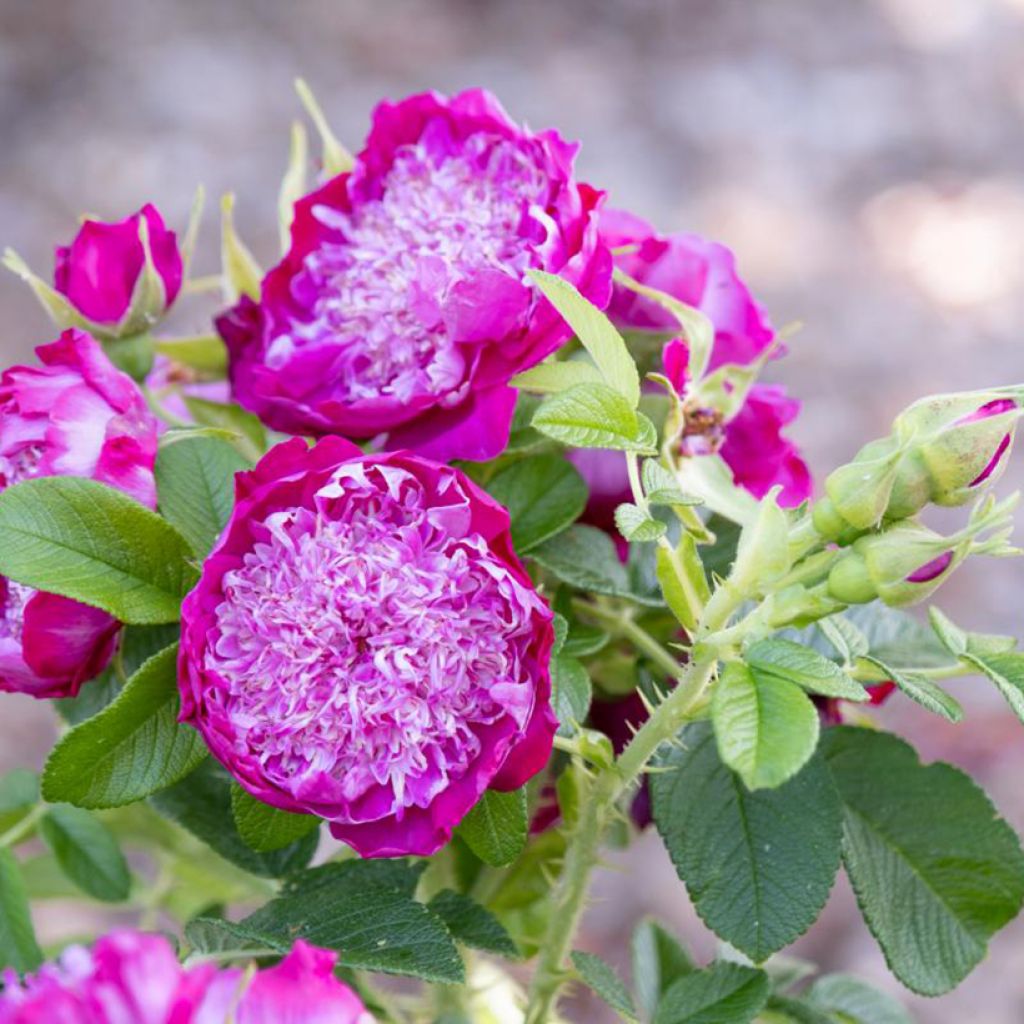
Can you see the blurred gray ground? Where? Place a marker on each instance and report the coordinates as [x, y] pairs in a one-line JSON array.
[[865, 160]]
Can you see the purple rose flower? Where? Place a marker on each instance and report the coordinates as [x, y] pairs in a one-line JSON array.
[[365, 646], [99, 270], [132, 978], [73, 415], [402, 306]]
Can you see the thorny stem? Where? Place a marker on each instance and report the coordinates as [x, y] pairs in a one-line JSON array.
[[615, 622]]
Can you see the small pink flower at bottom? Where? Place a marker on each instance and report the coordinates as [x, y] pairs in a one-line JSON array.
[[73, 414], [364, 645]]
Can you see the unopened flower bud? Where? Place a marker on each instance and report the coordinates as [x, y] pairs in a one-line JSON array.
[[858, 493]]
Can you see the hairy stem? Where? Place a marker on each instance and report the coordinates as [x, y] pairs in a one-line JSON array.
[[615, 622]]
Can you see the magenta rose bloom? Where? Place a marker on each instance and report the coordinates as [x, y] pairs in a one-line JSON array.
[[72, 415], [402, 307], [133, 978], [365, 646], [97, 273]]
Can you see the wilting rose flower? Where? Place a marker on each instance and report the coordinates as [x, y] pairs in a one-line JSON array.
[[99, 270], [133, 978], [402, 306], [72, 415], [365, 646]]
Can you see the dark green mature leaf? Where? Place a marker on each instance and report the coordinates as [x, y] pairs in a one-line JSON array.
[[544, 494], [264, 828], [724, 993], [90, 542], [601, 977], [201, 803], [497, 827], [217, 935], [766, 728], [849, 1000], [365, 910], [783, 659], [87, 852], [783, 1010], [936, 872], [131, 749], [758, 865], [19, 793], [472, 924], [658, 961], [921, 689], [18, 947], [595, 416], [571, 693], [251, 432], [195, 480]]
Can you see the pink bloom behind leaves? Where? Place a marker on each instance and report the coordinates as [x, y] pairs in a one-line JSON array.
[[364, 645], [72, 415], [402, 306], [98, 271], [133, 978]]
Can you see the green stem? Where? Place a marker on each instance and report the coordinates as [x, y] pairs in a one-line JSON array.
[[869, 673], [626, 628], [22, 829]]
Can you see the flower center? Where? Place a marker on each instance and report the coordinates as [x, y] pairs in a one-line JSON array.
[[379, 297], [362, 644]]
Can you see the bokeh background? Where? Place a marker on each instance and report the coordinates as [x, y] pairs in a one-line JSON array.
[[865, 158]]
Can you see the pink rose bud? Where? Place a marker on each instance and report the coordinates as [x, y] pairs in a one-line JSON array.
[[403, 306], [364, 645], [103, 273], [72, 415]]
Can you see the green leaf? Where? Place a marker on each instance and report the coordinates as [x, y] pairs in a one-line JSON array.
[[195, 481], [776, 658], [471, 924], [602, 978], [240, 272], [596, 333], [595, 416], [264, 828], [571, 693], [206, 353], [850, 643], [365, 910], [636, 525], [544, 494], [19, 793], [18, 947], [672, 568], [724, 993], [922, 690], [496, 829], [661, 487], [551, 377], [936, 872], [250, 431], [84, 540], [201, 803], [216, 935], [658, 961], [782, 1010], [896, 637], [852, 1001], [131, 749], [87, 852], [762, 553], [1007, 672], [953, 638], [758, 865], [766, 728]]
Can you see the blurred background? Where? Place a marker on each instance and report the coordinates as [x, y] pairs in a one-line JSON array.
[[864, 159]]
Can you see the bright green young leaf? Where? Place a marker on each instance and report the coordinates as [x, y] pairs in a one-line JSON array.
[[571, 693], [1007, 672], [601, 977], [596, 333], [201, 803], [762, 554], [472, 924], [849, 1000], [683, 581], [766, 728], [953, 638], [496, 828], [264, 828], [203, 352], [724, 993], [84, 540], [241, 273], [18, 947], [552, 377], [921, 689], [595, 416], [849, 642], [294, 184], [195, 481], [776, 658], [758, 865], [658, 962], [87, 852], [544, 494], [896, 637], [133, 748], [936, 872], [251, 434], [637, 525], [661, 487]]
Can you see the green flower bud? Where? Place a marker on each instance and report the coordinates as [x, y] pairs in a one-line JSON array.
[[859, 492]]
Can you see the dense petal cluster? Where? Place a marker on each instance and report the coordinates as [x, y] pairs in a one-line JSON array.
[[99, 271], [364, 645], [402, 306], [74, 414], [133, 978]]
